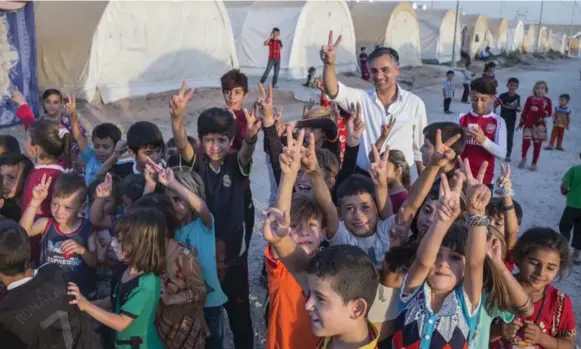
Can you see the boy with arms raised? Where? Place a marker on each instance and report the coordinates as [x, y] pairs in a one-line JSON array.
[[289, 325], [340, 281]]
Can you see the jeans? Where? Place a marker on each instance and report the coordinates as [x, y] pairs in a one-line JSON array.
[[215, 321], [571, 220], [234, 281], [510, 124], [466, 92], [447, 102], [271, 63]]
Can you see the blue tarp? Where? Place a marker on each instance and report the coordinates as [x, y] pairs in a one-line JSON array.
[[23, 73]]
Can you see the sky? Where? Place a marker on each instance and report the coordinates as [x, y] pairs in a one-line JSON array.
[[554, 11]]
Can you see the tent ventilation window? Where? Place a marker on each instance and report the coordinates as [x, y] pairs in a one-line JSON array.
[[476, 38]]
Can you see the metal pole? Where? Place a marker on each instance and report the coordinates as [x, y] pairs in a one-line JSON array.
[[500, 11], [540, 23], [572, 19], [455, 33]]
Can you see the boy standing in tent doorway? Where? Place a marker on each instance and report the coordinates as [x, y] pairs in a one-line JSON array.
[[274, 48]]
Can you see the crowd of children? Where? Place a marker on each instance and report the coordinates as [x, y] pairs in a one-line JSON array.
[[100, 252]]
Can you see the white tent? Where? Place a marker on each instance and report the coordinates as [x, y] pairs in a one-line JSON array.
[[122, 49], [389, 24], [490, 41], [304, 28], [543, 40], [498, 27], [529, 42], [516, 33], [474, 31], [437, 34], [558, 42]]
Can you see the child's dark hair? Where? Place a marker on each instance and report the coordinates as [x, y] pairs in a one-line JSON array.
[[565, 96], [52, 139], [496, 207], [275, 29], [400, 259], [216, 120], [14, 249], [13, 159], [349, 272], [448, 130], [485, 86], [132, 186], [312, 70], [328, 162], [115, 187], [456, 238], [362, 48], [397, 158], [10, 144], [234, 78], [489, 66], [143, 234], [450, 72], [536, 238], [354, 185], [144, 134], [162, 204], [68, 184], [304, 207], [513, 81], [107, 130]]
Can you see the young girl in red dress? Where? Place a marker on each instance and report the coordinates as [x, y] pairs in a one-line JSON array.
[[537, 108], [541, 255]]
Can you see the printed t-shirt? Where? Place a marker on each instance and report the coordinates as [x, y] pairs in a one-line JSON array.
[[137, 299], [289, 322], [507, 100], [561, 117], [373, 338], [35, 313], [573, 180], [196, 236], [531, 118], [553, 314]]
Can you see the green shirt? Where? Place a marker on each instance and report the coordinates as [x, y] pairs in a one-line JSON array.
[[138, 298], [573, 180], [481, 339]]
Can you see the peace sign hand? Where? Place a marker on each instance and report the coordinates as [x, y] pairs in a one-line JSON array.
[[399, 232], [254, 122], [378, 170], [178, 103], [104, 189], [478, 195], [449, 204], [276, 225], [266, 105], [40, 191], [71, 107], [443, 153], [309, 158], [355, 126], [386, 128], [329, 52], [504, 182], [290, 158]]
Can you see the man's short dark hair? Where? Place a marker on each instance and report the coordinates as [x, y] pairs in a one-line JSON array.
[[107, 130], [450, 72], [484, 85], [14, 249], [513, 81], [218, 121], [383, 51], [234, 78], [565, 96], [144, 134], [10, 144], [448, 130], [354, 185], [348, 270]]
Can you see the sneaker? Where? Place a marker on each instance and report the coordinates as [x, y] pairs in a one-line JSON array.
[[507, 159], [548, 148], [522, 163], [447, 112], [560, 149]]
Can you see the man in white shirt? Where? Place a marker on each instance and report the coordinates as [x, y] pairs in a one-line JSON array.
[[378, 105]]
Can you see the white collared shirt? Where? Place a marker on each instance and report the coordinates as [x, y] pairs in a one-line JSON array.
[[410, 120], [20, 282]]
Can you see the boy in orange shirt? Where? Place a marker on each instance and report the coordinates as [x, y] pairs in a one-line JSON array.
[[340, 282], [289, 326]]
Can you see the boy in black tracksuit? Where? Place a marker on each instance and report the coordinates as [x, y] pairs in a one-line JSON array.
[[509, 103]]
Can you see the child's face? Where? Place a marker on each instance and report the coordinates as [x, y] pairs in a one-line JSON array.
[[359, 214], [12, 180], [393, 173], [539, 268], [52, 105], [216, 146], [109, 205], [448, 270], [540, 90], [427, 151], [182, 209], [450, 76], [426, 216], [308, 234], [329, 315], [512, 87], [303, 181], [498, 222], [154, 153], [275, 34], [234, 98], [104, 148], [65, 210], [563, 102], [480, 102]]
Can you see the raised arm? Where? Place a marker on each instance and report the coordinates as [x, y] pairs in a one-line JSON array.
[[328, 55], [380, 176], [177, 108], [511, 225], [120, 149], [39, 194], [71, 107], [97, 213], [385, 131], [254, 122]]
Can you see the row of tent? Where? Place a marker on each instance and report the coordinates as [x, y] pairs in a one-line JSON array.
[[118, 49]]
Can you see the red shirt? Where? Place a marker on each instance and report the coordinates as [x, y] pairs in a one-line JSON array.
[[274, 47], [341, 128], [490, 124], [553, 314], [25, 114], [530, 118]]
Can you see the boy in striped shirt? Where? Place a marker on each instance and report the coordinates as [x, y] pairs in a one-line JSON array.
[[448, 91]]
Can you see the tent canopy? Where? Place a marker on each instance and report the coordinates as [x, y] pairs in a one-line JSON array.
[[437, 34], [122, 49], [530, 39], [304, 27], [388, 24], [558, 42], [543, 40], [476, 29], [499, 29], [516, 33]]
